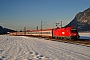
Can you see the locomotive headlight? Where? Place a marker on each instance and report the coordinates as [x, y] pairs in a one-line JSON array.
[[63, 32], [74, 34]]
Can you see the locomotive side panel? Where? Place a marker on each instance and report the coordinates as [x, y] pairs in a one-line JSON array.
[[61, 32]]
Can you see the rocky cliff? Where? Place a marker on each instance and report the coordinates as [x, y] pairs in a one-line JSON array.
[[82, 20]]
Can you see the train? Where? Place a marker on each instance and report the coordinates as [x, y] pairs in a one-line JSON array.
[[69, 32]]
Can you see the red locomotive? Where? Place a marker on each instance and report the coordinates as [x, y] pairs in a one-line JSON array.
[[69, 32], [66, 32]]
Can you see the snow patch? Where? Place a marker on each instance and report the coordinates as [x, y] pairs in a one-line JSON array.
[[27, 48], [85, 35]]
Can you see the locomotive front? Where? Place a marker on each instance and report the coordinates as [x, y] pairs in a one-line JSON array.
[[74, 33]]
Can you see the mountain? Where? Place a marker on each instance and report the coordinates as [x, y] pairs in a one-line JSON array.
[[82, 20], [5, 30]]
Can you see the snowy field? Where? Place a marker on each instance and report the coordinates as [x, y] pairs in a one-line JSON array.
[[85, 35], [27, 48]]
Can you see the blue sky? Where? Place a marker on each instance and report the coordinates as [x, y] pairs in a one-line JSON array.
[[17, 14]]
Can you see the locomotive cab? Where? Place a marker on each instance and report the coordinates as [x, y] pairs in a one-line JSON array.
[[74, 33]]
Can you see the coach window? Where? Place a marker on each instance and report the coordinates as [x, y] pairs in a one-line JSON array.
[[48, 32]]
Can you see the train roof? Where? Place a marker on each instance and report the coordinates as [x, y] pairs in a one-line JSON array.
[[51, 28], [39, 30]]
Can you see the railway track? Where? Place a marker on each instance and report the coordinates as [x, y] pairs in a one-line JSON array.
[[83, 42]]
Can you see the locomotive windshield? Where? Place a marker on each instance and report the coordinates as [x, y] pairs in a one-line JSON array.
[[73, 30]]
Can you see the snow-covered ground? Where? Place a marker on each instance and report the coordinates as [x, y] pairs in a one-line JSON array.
[[85, 35], [27, 48]]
